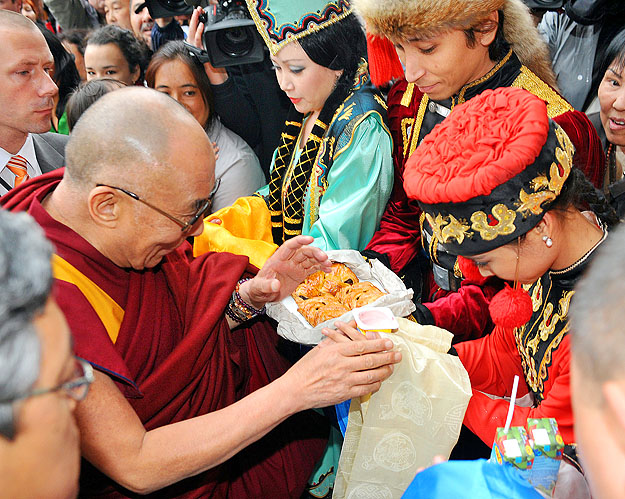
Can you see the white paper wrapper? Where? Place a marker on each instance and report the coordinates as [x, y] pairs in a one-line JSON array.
[[293, 326]]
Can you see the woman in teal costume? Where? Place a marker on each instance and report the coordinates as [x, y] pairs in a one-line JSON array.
[[332, 173]]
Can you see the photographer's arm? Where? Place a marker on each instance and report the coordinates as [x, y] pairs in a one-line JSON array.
[[216, 76]]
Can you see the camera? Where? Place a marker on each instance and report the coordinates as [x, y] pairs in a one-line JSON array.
[[230, 36]]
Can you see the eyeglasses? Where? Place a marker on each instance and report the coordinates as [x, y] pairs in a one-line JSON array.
[[205, 206], [76, 388]]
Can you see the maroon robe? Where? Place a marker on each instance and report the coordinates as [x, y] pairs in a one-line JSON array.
[[176, 358]]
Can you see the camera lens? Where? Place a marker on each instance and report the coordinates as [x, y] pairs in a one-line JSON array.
[[235, 42]]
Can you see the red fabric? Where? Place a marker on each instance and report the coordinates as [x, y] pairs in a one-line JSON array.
[[399, 235], [589, 155], [492, 138], [384, 65], [176, 358], [465, 312], [492, 362], [511, 307]]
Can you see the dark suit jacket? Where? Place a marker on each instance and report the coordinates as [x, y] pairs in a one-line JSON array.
[[50, 150]]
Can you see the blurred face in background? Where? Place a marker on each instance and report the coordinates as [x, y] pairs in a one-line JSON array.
[[108, 61], [118, 12], [611, 95], [79, 59], [175, 79], [141, 21], [29, 11]]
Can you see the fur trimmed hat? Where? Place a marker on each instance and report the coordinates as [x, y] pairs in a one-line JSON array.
[[401, 19]]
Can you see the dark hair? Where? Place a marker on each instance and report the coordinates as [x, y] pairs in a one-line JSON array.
[[614, 52], [131, 48], [75, 37], [177, 51], [66, 75], [500, 46], [86, 94], [341, 45], [581, 193]]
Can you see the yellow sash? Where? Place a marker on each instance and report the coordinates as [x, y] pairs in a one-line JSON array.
[[109, 312]]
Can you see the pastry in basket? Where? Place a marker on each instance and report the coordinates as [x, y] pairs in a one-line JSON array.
[[332, 285], [321, 308], [305, 291], [359, 295], [343, 273]]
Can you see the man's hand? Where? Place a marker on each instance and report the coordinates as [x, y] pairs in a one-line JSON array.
[[343, 366], [284, 271]]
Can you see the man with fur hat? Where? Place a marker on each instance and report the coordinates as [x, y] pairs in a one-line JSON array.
[[453, 50]]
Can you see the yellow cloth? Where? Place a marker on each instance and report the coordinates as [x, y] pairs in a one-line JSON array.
[[416, 414], [245, 229], [110, 313]]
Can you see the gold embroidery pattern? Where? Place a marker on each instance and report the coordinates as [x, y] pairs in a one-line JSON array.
[[504, 226], [536, 342], [497, 67], [556, 105], [553, 186], [380, 101], [406, 99], [416, 129], [406, 130], [347, 112], [448, 227]]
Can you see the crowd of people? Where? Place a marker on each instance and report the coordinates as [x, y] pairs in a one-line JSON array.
[[153, 203]]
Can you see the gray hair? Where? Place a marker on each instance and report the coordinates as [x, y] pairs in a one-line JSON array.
[[25, 282], [597, 314]]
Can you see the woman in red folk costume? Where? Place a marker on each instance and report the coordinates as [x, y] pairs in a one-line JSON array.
[[497, 184], [452, 51]]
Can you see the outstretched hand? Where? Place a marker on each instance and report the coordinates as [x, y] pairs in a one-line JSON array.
[[284, 271], [343, 366]]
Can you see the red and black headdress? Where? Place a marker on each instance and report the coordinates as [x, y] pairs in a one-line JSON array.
[[488, 172]]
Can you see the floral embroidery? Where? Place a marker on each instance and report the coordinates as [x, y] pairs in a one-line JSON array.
[[446, 228], [537, 340], [488, 228], [552, 186]]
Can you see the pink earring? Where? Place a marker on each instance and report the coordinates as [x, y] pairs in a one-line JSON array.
[[548, 241]]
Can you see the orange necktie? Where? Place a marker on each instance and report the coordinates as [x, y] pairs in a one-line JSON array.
[[17, 165]]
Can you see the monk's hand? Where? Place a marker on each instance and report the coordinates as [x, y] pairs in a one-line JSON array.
[[335, 371], [284, 271], [346, 331]]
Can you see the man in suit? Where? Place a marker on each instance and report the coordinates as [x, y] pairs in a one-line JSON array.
[[27, 93]]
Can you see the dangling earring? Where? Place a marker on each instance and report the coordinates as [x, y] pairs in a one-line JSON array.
[[548, 241]]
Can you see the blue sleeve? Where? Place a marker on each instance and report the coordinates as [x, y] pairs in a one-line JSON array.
[[359, 185]]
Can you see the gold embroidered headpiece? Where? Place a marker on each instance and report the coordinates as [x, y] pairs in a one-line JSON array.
[[282, 21], [486, 174]]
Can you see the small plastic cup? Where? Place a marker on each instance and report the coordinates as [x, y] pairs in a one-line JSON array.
[[379, 319]]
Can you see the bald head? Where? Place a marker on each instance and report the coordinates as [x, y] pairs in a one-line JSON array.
[[13, 20], [132, 133]]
